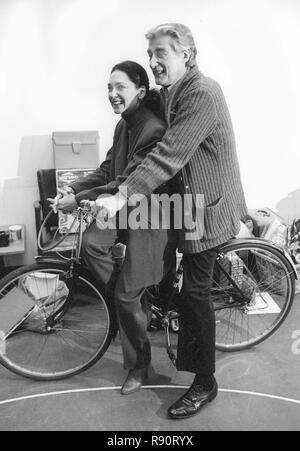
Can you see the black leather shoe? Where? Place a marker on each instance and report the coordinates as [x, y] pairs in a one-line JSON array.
[[191, 403], [135, 380]]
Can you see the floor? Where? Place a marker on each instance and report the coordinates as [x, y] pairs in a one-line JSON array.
[[259, 390]]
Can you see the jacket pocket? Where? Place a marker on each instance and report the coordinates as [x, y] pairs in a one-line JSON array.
[[212, 215]]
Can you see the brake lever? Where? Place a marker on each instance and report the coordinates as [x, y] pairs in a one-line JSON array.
[[55, 203]]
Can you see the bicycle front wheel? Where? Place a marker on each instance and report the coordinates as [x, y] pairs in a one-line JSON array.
[[73, 342], [253, 291]]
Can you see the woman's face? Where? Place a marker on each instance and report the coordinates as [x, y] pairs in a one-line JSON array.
[[121, 91]]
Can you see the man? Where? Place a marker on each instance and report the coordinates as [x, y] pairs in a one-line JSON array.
[[199, 146]]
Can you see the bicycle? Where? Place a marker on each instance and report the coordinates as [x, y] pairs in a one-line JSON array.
[[73, 321]]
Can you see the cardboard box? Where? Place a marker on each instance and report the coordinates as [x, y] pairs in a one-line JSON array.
[[76, 150]]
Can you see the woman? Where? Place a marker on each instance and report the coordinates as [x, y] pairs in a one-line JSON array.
[[147, 251]]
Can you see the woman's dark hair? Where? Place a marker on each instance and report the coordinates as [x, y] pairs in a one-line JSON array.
[[137, 74]]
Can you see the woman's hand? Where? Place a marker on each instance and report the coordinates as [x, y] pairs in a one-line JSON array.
[[65, 201]]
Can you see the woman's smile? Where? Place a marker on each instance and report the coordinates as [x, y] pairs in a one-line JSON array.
[[116, 102]]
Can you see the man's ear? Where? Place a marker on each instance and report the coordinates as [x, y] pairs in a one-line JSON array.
[[187, 53]]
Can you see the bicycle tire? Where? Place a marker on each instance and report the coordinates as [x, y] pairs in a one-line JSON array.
[[75, 344], [269, 290]]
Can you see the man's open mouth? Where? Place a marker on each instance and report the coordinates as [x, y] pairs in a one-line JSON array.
[[158, 71]]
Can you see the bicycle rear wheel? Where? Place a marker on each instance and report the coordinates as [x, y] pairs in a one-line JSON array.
[[253, 291], [75, 341]]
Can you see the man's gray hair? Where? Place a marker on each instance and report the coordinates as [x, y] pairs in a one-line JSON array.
[[181, 35]]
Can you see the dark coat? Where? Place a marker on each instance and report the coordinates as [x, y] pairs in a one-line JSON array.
[[135, 136], [199, 145]]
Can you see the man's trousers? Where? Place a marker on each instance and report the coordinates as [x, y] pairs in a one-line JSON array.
[[197, 334]]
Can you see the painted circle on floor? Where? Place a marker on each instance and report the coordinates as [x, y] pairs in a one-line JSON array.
[[148, 387]]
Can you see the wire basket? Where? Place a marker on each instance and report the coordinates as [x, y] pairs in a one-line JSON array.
[[237, 270], [271, 275]]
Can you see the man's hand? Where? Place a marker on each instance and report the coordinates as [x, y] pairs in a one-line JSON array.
[[110, 205], [65, 201]]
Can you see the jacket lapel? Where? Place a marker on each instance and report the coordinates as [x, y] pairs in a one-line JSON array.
[[177, 91]]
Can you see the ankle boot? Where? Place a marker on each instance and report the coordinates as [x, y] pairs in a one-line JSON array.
[[135, 380]]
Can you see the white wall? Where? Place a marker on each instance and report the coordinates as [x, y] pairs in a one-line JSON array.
[[55, 58]]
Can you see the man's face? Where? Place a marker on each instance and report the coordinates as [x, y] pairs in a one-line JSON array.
[[167, 65]]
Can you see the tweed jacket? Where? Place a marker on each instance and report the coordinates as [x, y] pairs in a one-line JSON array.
[[198, 147]]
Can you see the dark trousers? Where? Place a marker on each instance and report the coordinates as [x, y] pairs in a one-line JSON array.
[[131, 311], [196, 341], [97, 254], [132, 314]]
